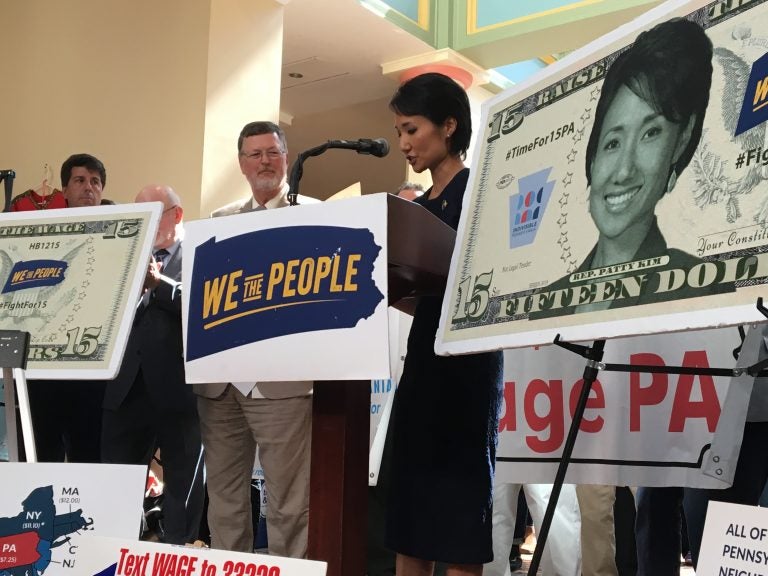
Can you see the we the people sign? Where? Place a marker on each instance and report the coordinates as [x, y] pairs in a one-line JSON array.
[[319, 289]]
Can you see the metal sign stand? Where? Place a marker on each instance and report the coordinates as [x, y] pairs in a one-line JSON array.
[[14, 345], [594, 356]]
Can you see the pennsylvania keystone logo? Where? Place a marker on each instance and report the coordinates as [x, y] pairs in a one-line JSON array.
[[527, 207]]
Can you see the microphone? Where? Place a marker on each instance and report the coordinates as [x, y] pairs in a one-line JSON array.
[[378, 147]]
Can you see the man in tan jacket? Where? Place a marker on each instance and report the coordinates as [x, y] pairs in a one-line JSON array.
[[276, 416]]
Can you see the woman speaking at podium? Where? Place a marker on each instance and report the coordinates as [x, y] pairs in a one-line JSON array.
[[445, 418]]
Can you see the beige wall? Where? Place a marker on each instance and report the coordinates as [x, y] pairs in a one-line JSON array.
[[159, 91], [244, 67], [337, 169], [124, 81]]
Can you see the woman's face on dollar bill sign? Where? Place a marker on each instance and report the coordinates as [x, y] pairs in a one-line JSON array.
[[633, 161]]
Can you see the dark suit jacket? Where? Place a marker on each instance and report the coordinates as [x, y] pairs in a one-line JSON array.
[[155, 345]]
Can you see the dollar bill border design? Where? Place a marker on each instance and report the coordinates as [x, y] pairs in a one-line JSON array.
[[707, 15], [73, 348]]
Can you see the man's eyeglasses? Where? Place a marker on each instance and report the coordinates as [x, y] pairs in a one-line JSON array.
[[272, 154]]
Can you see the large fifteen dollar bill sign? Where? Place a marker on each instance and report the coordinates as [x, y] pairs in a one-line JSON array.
[[72, 278], [623, 190]]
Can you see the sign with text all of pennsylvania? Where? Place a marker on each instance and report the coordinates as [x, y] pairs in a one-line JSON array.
[[735, 541], [622, 191], [72, 279], [291, 294]]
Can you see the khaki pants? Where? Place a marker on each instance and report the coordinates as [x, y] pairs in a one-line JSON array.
[[232, 425], [598, 537]]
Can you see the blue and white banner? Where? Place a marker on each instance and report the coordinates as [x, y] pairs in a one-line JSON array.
[[312, 278], [383, 391], [292, 294]]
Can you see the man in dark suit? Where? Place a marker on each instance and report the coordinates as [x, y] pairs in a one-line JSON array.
[[276, 416], [66, 414], [149, 405]]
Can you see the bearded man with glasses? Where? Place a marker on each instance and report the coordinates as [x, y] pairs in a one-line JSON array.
[[235, 418]]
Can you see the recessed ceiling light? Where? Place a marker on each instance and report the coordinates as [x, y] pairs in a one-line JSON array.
[[296, 75]]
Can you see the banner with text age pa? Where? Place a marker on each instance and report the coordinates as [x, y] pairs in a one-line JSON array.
[[639, 429]]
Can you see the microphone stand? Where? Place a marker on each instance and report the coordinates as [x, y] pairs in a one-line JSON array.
[[7, 176], [297, 170], [378, 148]]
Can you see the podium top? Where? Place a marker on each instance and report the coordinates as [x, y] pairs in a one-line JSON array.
[[419, 247]]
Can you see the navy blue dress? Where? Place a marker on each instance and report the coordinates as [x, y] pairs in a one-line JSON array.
[[444, 431]]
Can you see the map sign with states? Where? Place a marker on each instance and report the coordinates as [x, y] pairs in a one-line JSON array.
[[72, 278], [623, 190], [46, 510]]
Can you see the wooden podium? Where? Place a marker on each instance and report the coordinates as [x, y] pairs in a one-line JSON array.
[[331, 329], [419, 248]]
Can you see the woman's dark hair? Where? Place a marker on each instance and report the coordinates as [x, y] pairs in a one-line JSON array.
[[436, 97], [668, 66]]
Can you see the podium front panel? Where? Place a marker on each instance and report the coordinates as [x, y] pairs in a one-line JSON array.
[[292, 294]]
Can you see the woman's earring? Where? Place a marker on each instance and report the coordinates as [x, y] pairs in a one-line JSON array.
[[589, 204], [672, 180]]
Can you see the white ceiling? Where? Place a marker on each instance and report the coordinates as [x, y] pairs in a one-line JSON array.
[[338, 46]]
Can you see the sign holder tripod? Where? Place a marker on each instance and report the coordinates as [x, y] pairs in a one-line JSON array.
[[14, 345], [594, 356]]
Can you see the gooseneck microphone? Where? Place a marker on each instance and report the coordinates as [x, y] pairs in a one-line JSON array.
[[378, 147]]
